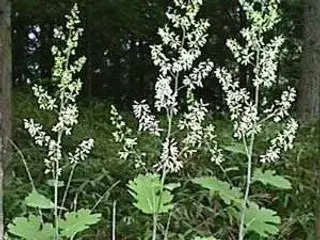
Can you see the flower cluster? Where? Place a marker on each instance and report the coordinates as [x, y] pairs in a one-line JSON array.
[[45, 101], [194, 79], [147, 121], [183, 37], [53, 158], [122, 131], [169, 157], [165, 96], [35, 130], [188, 50], [279, 109], [192, 122], [197, 133], [81, 152], [212, 145], [68, 89], [122, 135], [243, 112], [264, 17], [178, 72], [263, 58], [283, 141]]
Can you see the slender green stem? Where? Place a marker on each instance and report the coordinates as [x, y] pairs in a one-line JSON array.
[[65, 194], [163, 177], [59, 140], [247, 191], [249, 151], [75, 200], [114, 209], [169, 133], [56, 190], [164, 171], [154, 229], [167, 227]]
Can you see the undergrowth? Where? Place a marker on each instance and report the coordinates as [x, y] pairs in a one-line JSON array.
[[194, 213]]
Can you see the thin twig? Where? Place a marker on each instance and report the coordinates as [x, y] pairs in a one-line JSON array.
[[24, 163], [168, 225], [65, 194], [103, 196], [32, 183]]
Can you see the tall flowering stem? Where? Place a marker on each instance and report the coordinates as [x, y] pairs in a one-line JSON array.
[[64, 105], [180, 73], [249, 113]]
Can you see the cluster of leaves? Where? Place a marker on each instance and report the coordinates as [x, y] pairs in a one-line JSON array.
[[263, 221], [33, 227]]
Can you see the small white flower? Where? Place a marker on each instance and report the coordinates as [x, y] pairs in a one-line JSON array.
[[81, 152]]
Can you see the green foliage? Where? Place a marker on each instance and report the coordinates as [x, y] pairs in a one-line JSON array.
[[52, 183], [193, 216], [195, 213], [31, 228], [270, 177], [235, 148], [37, 200], [146, 190], [205, 238], [259, 220], [225, 191], [263, 221], [172, 186], [76, 222]]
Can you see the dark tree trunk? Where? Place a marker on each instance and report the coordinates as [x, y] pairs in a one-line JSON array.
[[309, 89], [5, 84]]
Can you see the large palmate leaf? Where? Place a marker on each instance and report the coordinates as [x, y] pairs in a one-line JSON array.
[[76, 222], [37, 200], [225, 191], [146, 191], [30, 228], [263, 221], [270, 177]]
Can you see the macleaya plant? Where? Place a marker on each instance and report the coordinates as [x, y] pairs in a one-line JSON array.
[[182, 39], [180, 73], [65, 223], [250, 111]]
